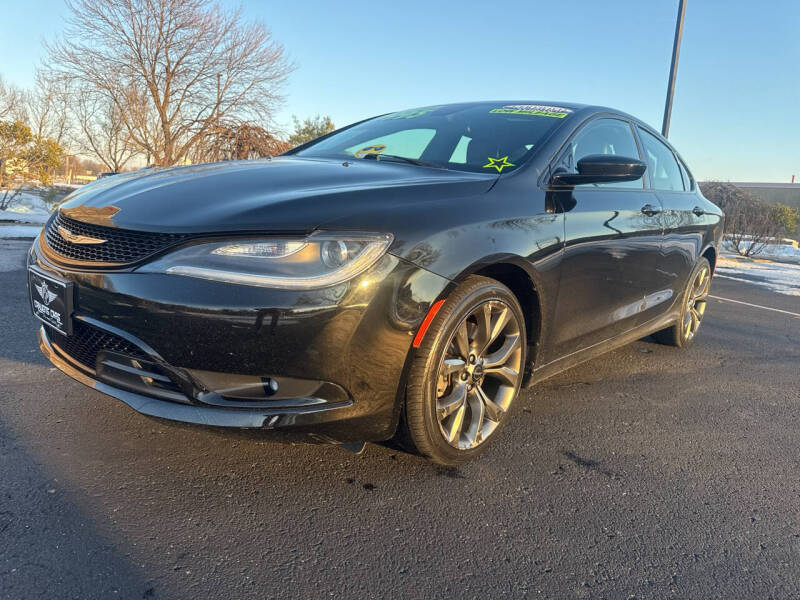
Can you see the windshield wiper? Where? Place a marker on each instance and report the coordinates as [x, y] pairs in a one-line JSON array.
[[394, 157]]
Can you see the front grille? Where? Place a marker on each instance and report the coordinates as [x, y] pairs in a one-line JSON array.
[[122, 246], [87, 341]]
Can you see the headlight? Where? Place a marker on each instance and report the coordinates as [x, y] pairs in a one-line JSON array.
[[317, 261]]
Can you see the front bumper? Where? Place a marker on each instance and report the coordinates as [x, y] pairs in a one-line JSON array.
[[258, 418], [208, 353]]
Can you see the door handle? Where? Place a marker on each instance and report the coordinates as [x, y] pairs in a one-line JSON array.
[[650, 210], [698, 211]]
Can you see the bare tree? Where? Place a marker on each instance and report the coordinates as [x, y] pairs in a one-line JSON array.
[[47, 108], [174, 68], [750, 224], [102, 130], [47, 113], [242, 141], [12, 103]]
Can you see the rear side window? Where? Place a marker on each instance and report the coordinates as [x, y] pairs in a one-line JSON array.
[[603, 136], [665, 174]]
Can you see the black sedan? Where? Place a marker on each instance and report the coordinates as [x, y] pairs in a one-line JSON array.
[[401, 277]]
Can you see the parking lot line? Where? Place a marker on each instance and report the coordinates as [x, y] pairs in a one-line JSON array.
[[786, 312]]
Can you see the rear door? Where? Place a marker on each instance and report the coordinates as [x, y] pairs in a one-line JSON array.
[[613, 237], [683, 220]]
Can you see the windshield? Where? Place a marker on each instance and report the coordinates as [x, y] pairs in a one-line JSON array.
[[480, 138]]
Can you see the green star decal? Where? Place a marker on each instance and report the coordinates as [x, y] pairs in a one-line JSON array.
[[498, 163]]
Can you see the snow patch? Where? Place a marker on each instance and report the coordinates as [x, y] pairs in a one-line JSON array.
[[19, 231], [26, 208], [779, 252], [783, 278]]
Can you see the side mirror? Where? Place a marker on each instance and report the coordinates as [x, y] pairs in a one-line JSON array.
[[601, 168]]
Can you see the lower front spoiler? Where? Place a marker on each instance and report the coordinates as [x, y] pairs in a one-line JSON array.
[[325, 424]]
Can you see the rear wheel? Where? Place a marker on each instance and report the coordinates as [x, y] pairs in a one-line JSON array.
[[467, 372], [693, 308]]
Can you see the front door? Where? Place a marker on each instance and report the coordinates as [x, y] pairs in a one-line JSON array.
[[613, 237]]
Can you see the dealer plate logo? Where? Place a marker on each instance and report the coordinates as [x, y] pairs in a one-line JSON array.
[[51, 301], [45, 293]]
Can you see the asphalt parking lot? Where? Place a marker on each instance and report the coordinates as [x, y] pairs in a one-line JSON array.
[[647, 473]]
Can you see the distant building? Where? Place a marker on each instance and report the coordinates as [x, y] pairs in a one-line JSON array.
[[774, 193], [84, 178]]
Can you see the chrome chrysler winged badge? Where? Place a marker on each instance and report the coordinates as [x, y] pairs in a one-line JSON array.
[[77, 238], [45, 293]]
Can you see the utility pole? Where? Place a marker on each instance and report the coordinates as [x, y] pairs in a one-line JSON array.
[[673, 70], [216, 122]]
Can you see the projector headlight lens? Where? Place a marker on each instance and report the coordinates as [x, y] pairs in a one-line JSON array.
[[316, 261]]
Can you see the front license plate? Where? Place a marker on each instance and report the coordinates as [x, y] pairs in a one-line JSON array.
[[51, 300]]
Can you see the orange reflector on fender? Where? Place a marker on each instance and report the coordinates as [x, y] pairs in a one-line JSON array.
[[426, 322]]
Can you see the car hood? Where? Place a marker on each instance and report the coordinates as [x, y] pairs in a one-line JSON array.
[[280, 194]]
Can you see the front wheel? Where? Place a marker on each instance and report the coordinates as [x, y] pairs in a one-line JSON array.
[[693, 308], [466, 372]]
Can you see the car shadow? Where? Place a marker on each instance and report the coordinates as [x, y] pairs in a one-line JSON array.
[[50, 548]]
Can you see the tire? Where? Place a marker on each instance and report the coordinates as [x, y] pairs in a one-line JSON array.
[[466, 373], [693, 307]]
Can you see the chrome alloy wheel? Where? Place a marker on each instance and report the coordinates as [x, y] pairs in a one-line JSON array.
[[479, 375], [696, 297]]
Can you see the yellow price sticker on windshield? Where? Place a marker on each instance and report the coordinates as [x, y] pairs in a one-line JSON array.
[[535, 110], [376, 149]]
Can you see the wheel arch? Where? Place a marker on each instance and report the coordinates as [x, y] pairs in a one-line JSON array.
[[710, 254], [509, 271], [517, 277]]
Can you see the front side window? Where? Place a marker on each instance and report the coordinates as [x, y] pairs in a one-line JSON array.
[[492, 138], [603, 136], [665, 174]]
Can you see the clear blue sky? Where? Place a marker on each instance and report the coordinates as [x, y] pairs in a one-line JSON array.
[[737, 99]]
